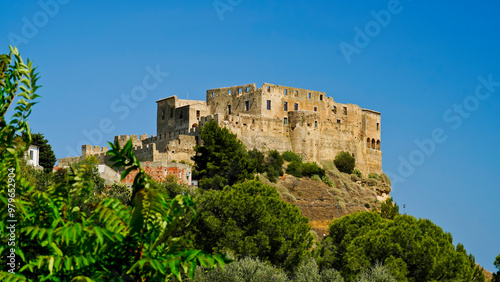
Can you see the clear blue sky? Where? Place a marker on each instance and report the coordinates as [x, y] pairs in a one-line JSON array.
[[420, 69]]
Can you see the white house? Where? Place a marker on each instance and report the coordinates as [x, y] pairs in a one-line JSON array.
[[33, 155]]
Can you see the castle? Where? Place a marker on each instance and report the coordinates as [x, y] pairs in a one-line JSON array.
[[272, 117]]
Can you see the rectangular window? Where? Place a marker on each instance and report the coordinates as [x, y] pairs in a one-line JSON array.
[[378, 126], [321, 97], [295, 107], [162, 114], [309, 95], [240, 91], [285, 121], [31, 154], [213, 94], [296, 93], [315, 123], [171, 112], [180, 115], [197, 114], [248, 89], [286, 91], [247, 105], [268, 104], [229, 109], [269, 89], [285, 106], [229, 92], [315, 109], [345, 111], [338, 121]]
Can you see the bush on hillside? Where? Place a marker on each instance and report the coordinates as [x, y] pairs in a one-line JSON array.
[[357, 173], [345, 162], [290, 156]]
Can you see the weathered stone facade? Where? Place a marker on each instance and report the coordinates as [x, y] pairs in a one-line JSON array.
[[271, 117]]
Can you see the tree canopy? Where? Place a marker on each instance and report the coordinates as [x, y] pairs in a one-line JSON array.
[[221, 160], [413, 249], [250, 219], [47, 158]]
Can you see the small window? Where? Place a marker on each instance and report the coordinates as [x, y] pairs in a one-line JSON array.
[[309, 95], [240, 91], [197, 114], [296, 93], [321, 97], [286, 91], [229, 91], [285, 106], [162, 114], [334, 109], [180, 115], [338, 121], [378, 126], [315, 109], [171, 112], [315, 123], [268, 104], [345, 111], [213, 94], [285, 121], [229, 109], [31, 155], [296, 107], [247, 105], [248, 89], [269, 89]]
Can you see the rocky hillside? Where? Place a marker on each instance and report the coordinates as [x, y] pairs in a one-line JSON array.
[[321, 202]]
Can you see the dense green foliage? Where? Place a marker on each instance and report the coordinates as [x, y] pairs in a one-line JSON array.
[[290, 156], [47, 158], [273, 165], [389, 209], [221, 160], [496, 276], [413, 249], [305, 169], [53, 240], [345, 162], [250, 219], [357, 173]]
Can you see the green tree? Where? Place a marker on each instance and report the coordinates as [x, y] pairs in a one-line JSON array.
[[496, 276], [221, 160], [250, 219], [54, 240], [389, 209], [47, 158], [413, 249], [256, 160], [274, 165], [345, 162]]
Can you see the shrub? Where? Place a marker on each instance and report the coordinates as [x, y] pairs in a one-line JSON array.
[[316, 177], [378, 273], [256, 160], [311, 168], [327, 181], [357, 173], [373, 175], [345, 162], [246, 269], [293, 168], [331, 275], [354, 177], [385, 179], [307, 271], [290, 156]]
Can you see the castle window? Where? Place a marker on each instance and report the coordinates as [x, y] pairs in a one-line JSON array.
[[334, 109], [240, 91], [296, 107], [373, 143], [315, 109], [248, 89], [162, 114], [247, 105], [285, 121], [180, 115], [269, 89], [268, 104], [171, 112], [213, 94], [321, 97], [31, 155], [229, 109], [286, 91], [378, 126], [229, 91], [197, 114], [368, 143], [338, 121], [345, 111], [378, 144], [296, 93], [309, 95], [285, 106], [315, 123]]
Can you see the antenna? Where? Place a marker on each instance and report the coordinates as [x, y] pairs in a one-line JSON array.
[[187, 96]]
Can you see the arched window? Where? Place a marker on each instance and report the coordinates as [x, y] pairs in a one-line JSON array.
[[368, 143], [373, 143], [378, 144]]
